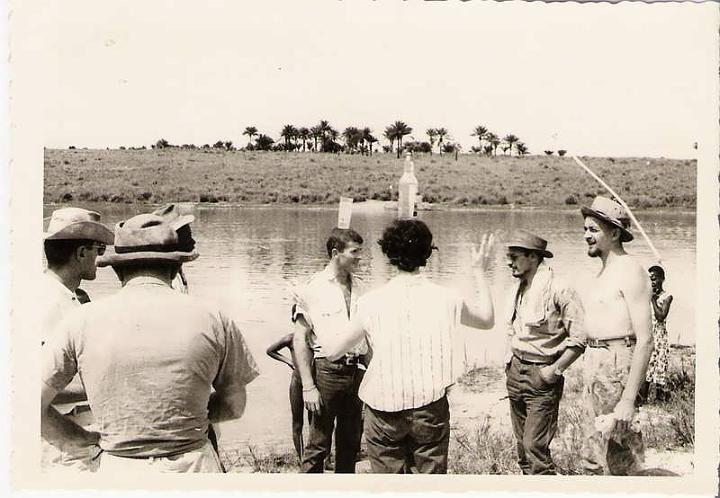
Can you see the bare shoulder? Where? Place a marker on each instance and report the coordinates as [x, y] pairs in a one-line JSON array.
[[632, 276]]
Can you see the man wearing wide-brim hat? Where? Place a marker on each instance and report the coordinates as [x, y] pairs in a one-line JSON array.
[[545, 323], [74, 238], [149, 358], [619, 343]]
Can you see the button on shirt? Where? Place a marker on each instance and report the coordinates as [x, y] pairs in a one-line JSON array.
[[148, 357], [547, 318], [412, 327], [322, 304]]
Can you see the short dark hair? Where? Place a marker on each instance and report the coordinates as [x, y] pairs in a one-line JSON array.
[[657, 270], [407, 244], [340, 237], [59, 251], [124, 271]]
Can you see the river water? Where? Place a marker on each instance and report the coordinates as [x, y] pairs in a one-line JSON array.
[[250, 255]]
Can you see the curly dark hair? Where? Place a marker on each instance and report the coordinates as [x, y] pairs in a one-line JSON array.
[[407, 244]]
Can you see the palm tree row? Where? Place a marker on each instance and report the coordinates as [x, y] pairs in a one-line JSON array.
[[492, 142], [324, 138]]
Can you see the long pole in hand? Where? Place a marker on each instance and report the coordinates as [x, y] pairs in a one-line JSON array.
[[622, 203]]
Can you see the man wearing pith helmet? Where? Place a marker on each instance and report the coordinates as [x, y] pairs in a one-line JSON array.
[[149, 358], [545, 322], [619, 343], [73, 240]]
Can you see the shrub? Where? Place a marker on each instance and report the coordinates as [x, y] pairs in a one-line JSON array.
[[571, 200], [562, 152], [548, 152]]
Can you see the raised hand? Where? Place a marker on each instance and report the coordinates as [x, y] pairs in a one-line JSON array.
[[482, 255]]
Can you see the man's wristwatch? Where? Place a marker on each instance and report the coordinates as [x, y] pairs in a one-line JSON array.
[[558, 372]]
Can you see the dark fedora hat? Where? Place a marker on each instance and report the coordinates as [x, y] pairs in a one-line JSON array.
[[610, 212], [145, 238], [527, 240]]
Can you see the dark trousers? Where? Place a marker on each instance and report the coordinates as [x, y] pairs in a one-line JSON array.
[[417, 438], [338, 386], [534, 412]]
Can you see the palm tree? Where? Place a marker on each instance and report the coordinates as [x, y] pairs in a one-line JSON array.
[[398, 130], [431, 133], [250, 131], [521, 148], [389, 133], [263, 142], [479, 132], [368, 137], [440, 132], [303, 134], [352, 136], [316, 132], [330, 135], [510, 140], [493, 140], [288, 132]]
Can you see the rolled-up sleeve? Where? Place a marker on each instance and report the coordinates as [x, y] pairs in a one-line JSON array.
[[573, 317], [237, 366], [59, 362]]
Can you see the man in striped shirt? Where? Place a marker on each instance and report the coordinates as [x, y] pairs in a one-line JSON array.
[[411, 325], [546, 326]]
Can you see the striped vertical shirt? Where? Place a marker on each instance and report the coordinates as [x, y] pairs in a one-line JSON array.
[[412, 327]]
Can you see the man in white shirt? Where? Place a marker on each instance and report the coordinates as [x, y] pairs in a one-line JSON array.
[[73, 241], [411, 325], [157, 365], [325, 305]]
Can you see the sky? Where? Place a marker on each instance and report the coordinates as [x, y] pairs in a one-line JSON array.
[[599, 79]]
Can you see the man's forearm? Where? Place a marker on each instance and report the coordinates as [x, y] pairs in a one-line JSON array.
[[62, 432], [638, 368], [303, 354], [567, 358]]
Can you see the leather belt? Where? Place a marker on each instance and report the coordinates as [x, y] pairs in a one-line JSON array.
[[534, 358], [348, 360], [604, 343]]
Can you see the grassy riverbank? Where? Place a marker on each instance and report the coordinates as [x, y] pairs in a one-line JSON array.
[[216, 176], [481, 439]]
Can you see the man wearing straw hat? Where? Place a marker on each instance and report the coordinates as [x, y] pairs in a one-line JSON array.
[[149, 358], [73, 240], [547, 334], [619, 343], [324, 306]]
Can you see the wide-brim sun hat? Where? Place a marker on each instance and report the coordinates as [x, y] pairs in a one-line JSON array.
[[611, 212], [528, 240], [145, 238], [171, 213], [73, 223]]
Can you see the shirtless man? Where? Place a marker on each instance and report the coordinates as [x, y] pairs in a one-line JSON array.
[[297, 408], [619, 344]]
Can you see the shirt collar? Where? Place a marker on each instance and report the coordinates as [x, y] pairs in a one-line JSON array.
[[55, 282], [329, 274], [145, 280]]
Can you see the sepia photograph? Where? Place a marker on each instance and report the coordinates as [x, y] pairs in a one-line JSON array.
[[260, 240]]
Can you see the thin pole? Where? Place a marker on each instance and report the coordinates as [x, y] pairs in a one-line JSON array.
[[622, 203]]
